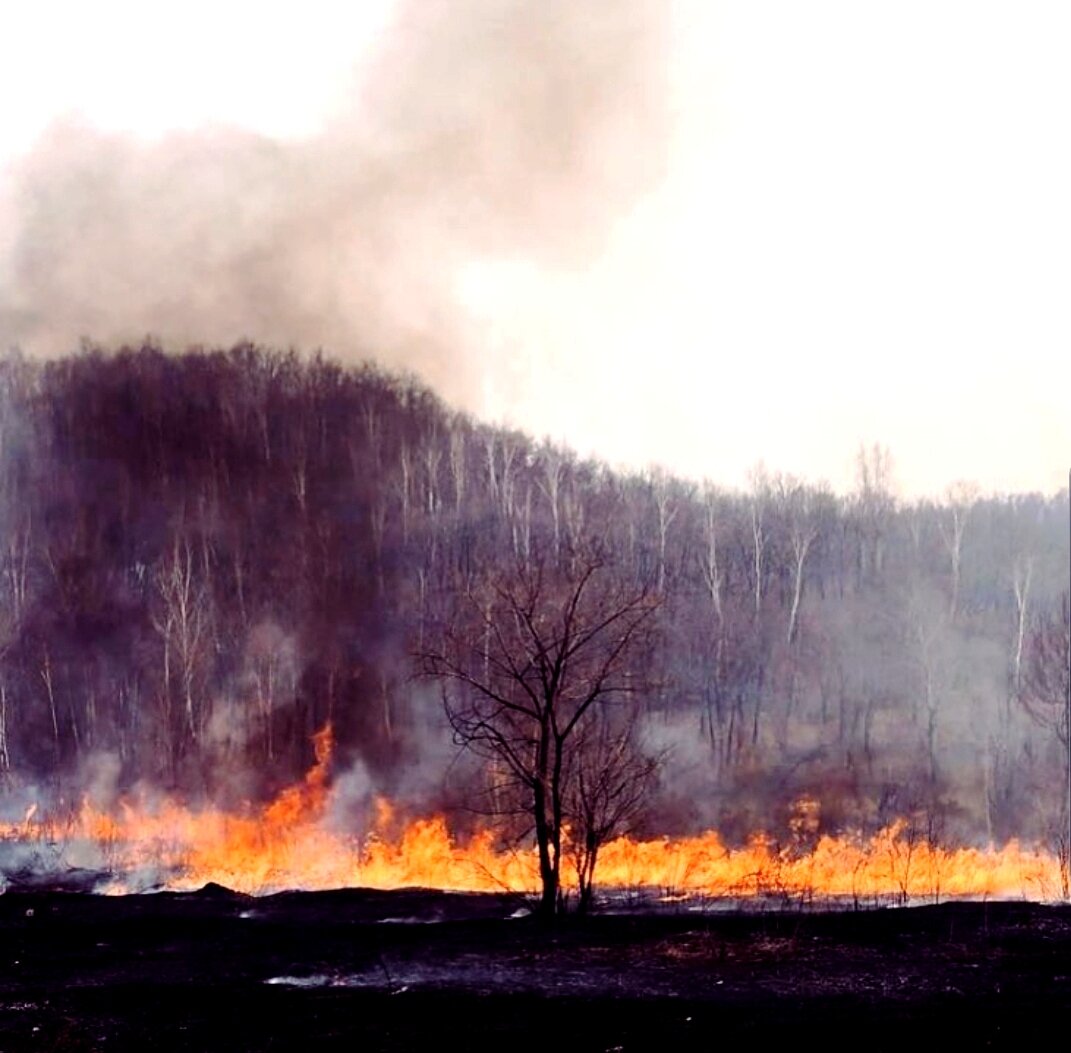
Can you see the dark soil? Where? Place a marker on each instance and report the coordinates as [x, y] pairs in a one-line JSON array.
[[416, 970]]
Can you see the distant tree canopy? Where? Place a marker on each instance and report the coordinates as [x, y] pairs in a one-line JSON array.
[[205, 556]]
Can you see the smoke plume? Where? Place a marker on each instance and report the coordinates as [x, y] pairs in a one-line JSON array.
[[482, 129]]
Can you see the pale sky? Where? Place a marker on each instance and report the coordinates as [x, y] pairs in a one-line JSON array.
[[863, 235]]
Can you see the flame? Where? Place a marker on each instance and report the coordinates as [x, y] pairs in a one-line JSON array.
[[293, 843], [891, 865]]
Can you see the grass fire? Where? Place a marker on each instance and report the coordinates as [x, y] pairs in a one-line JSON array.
[[529, 524], [290, 844], [275, 623]]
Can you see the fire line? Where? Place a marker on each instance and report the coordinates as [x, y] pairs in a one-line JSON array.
[[291, 844]]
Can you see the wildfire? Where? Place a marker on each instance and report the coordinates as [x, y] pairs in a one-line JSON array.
[[291, 843]]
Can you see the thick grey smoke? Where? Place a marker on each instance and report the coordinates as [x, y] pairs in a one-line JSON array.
[[481, 129]]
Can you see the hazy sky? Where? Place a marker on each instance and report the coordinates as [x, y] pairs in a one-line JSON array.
[[799, 224]]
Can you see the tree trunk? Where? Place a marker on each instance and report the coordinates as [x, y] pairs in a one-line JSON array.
[[548, 871]]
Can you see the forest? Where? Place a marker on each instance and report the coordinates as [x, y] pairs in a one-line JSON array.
[[208, 556]]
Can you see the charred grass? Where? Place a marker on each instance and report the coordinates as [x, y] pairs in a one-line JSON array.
[[414, 970]]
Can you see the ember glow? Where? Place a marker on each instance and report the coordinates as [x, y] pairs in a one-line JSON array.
[[290, 844]]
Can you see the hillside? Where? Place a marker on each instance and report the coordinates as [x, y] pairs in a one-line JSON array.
[[207, 557]]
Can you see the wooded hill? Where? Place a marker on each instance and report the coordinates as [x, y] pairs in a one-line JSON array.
[[207, 556]]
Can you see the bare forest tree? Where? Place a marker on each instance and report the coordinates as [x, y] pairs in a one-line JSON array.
[[1043, 688], [182, 620], [757, 502], [534, 660], [1045, 692], [606, 786], [875, 503], [802, 508], [960, 498]]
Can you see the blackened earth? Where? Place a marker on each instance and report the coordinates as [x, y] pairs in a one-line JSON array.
[[419, 970]]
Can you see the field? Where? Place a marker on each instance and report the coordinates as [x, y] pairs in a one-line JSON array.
[[414, 969]]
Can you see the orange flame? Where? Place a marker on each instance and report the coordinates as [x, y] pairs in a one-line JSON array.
[[305, 802], [291, 843]]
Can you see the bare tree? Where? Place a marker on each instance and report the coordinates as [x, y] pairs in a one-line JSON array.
[[667, 508], [528, 663], [803, 508], [757, 501], [458, 467], [1045, 692], [709, 560], [182, 622], [607, 788], [1022, 573], [271, 672], [1043, 687], [960, 498], [552, 463], [874, 503]]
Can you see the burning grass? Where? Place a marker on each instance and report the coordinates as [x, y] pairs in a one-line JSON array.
[[291, 843]]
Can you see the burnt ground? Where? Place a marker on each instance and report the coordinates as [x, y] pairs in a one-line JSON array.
[[416, 970]]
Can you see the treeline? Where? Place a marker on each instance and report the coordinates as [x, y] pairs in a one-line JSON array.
[[206, 556]]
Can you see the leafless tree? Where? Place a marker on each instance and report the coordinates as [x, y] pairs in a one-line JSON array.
[[960, 499], [874, 504], [667, 508], [271, 672], [552, 463], [526, 666], [607, 787], [803, 509], [757, 501], [1022, 574], [1043, 686], [709, 560], [182, 622]]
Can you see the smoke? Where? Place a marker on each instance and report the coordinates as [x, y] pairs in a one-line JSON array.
[[482, 130], [429, 772], [99, 777], [687, 799]]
